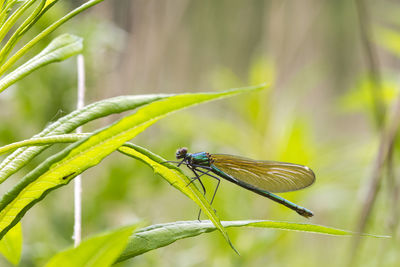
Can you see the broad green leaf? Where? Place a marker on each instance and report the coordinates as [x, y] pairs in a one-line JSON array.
[[161, 235], [10, 62], [176, 178], [59, 49], [68, 123], [11, 244], [60, 169], [97, 251]]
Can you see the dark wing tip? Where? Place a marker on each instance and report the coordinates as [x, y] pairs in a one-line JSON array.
[[305, 212]]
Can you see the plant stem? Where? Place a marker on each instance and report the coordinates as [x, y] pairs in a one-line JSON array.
[[78, 179]]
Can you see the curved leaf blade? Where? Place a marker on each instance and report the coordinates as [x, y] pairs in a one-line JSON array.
[[161, 235], [98, 251], [61, 48], [46, 140], [11, 245]]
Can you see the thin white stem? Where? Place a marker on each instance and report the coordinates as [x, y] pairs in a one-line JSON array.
[[78, 181]]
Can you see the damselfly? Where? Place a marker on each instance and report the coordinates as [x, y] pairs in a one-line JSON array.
[[261, 177]]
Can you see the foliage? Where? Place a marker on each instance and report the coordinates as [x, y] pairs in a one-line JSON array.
[[96, 251], [303, 117]]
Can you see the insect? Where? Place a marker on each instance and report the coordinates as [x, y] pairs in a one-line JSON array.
[[261, 177]]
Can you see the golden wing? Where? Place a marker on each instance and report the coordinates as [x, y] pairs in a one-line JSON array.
[[272, 176]]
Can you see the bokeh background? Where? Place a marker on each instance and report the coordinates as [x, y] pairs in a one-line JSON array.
[[333, 70]]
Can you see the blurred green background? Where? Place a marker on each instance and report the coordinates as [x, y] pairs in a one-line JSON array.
[[320, 110]]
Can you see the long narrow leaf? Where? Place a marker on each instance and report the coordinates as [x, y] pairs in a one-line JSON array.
[[10, 22], [64, 166], [68, 123], [44, 33], [59, 49], [54, 139], [2, 6], [12, 41], [47, 6], [6, 9], [161, 235]]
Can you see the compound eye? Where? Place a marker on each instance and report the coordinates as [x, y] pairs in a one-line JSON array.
[[181, 153]]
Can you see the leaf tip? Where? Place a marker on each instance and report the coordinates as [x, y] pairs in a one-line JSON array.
[[233, 247]]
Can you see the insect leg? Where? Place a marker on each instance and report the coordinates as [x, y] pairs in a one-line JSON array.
[[215, 177], [197, 178], [208, 174], [180, 163], [201, 183]]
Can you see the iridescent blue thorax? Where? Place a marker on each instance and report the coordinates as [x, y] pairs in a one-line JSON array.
[[200, 158], [194, 159]]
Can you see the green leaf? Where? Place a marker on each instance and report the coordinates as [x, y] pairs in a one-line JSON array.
[[172, 174], [161, 235], [9, 63], [97, 251], [12, 41], [30, 23], [59, 49], [54, 139], [68, 123], [11, 21], [11, 245], [6, 7], [60, 169]]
